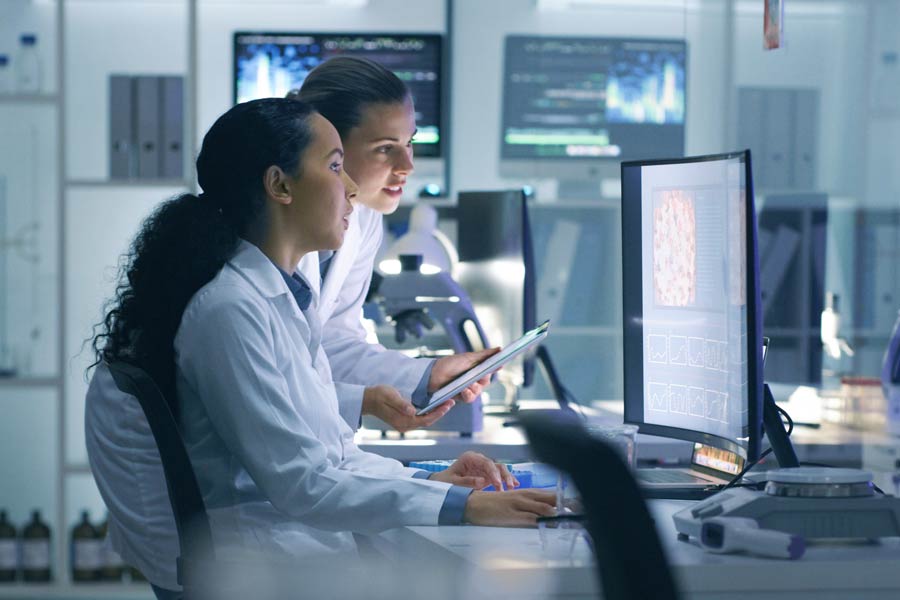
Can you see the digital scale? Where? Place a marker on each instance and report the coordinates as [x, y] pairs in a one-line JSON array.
[[811, 502]]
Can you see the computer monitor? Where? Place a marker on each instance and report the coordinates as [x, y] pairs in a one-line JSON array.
[[573, 107], [272, 64], [497, 270], [691, 301]]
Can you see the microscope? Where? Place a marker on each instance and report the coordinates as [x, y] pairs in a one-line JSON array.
[[446, 302]]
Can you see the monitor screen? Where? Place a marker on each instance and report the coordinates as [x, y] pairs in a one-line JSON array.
[[691, 303], [494, 243], [588, 98], [272, 64]]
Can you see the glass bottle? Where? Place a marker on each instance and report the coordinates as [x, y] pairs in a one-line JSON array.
[[28, 65], [36, 550], [85, 550], [111, 566], [9, 549]]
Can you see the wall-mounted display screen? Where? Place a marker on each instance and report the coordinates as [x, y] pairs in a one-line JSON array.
[[578, 97], [272, 64]]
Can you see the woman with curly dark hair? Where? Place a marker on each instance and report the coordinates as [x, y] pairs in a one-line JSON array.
[[213, 308]]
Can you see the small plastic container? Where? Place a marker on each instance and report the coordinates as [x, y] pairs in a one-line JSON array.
[[28, 65], [621, 437], [6, 85], [559, 535]]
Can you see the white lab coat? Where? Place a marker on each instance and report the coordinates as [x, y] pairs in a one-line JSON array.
[[276, 463], [354, 362], [125, 464]]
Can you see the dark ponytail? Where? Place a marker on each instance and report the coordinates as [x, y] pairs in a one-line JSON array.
[[188, 239], [343, 86]]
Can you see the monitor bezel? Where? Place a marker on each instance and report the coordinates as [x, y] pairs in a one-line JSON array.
[[437, 151], [574, 167], [632, 333]]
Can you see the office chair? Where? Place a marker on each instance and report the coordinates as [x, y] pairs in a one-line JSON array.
[[631, 564], [191, 520]]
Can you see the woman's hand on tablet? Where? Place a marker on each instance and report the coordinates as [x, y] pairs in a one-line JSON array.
[[446, 369], [386, 403]]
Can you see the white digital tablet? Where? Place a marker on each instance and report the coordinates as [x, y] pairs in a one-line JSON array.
[[486, 367]]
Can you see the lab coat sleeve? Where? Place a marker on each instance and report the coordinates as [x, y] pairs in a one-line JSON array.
[[225, 353], [352, 358], [350, 398]]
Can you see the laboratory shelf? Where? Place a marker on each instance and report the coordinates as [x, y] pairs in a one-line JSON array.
[[135, 183], [79, 591], [28, 99], [28, 382]]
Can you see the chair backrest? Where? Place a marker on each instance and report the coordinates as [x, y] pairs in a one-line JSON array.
[[630, 559], [191, 520]]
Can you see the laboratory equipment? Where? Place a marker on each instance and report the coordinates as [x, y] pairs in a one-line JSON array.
[[497, 267], [28, 65], [446, 302], [890, 381], [422, 237], [723, 535], [832, 342], [272, 64], [807, 502], [691, 304]]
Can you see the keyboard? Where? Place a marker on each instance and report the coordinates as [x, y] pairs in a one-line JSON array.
[[669, 476]]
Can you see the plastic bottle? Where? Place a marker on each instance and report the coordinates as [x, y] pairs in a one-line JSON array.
[[6, 86], [9, 549], [36, 550], [28, 65], [111, 566], [86, 550]]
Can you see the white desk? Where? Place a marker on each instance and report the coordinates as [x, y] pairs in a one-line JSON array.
[[508, 563], [830, 444]]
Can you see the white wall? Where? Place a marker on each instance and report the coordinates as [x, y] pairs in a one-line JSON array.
[[103, 38], [824, 51]]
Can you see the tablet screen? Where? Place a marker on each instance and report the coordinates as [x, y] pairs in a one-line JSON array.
[[490, 365]]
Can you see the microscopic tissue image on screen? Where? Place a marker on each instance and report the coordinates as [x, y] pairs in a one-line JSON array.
[[694, 297], [674, 248]]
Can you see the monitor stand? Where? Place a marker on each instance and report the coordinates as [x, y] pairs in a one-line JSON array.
[[781, 444]]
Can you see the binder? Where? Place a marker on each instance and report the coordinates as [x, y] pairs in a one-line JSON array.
[[172, 120], [147, 114], [121, 129]]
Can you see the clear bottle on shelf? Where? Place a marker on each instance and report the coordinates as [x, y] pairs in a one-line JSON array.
[[6, 86], [28, 65]]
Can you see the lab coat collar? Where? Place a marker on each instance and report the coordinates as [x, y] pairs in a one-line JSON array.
[[341, 263], [260, 271]]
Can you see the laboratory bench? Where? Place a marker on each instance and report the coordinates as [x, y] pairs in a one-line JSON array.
[[828, 443], [512, 564]]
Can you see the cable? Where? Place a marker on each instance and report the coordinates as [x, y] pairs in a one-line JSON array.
[[737, 478], [790, 421]]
